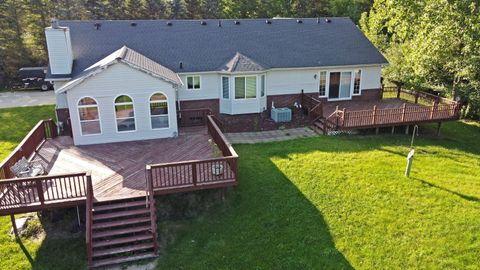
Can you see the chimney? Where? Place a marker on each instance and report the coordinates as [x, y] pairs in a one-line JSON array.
[[60, 55]]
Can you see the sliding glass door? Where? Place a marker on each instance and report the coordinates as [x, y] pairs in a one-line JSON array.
[[340, 85]]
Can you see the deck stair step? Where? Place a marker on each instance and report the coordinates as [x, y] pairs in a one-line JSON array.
[[121, 214], [117, 223], [122, 231], [123, 249], [122, 205], [122, 240], [120, 260]]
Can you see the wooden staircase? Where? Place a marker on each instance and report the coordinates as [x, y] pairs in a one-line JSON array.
[[121, 231], [323, 125]]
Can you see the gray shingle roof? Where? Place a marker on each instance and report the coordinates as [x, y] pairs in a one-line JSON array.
[[131, 58], [282, 44], [241, 63]]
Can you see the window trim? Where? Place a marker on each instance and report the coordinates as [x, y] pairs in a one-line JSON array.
[[229, 87], [199, 80], [256, 87], [88, 106], [115, 113], [150, 111], [359, 85]]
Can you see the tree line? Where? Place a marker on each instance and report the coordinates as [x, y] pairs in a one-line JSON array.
[[22, 22], [431, 45]]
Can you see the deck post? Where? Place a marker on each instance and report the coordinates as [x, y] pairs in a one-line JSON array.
[[14, 226], [343, 117], [336, 117], [438, 128], [377, 130], [403, 111], [194, 174], [38, 184], [374, 114], [393, 130], [407, 128]]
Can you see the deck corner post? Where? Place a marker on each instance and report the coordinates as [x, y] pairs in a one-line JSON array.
[[39, 186], [14, 226], [438, 128], [403, 111], [374, 114]]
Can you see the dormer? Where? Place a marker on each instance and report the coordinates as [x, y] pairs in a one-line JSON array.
[[60, 55]]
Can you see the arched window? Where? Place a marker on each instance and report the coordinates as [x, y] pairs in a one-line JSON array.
[[159, 111], [89, 116], [124, 113]]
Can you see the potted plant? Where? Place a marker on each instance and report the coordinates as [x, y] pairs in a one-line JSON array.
[[217, 169]]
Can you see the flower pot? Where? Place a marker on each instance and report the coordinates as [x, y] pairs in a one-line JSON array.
[[217, 169]]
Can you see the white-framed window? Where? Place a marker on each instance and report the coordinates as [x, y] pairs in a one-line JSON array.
[[322, 86], [245, 87], [262, 86], [225, 87], [125, 114], [159, 111], [89, 116], [356, 82], [193, 82]]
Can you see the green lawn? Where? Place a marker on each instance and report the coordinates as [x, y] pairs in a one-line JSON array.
[[316, 203]]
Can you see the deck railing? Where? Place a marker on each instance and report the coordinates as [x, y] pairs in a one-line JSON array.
[[313, 107], [197, 174], [394, 116], [192, 117], [44, 129], [36, 193], [414, 96]]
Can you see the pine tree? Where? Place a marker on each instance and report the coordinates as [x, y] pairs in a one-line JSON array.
[[179, 9]]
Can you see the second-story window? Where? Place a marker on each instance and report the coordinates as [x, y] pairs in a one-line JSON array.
[[193, 82]]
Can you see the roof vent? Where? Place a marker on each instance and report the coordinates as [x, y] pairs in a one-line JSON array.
[[236, 22], [97, 25], [133, 24], [219, 23], [268, 22], [327, 20], [169, 23], [299, 21], [181, 65], [54, 23], [203, 23]]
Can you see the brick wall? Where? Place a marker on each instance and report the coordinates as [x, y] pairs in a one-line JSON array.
[[212, 104]]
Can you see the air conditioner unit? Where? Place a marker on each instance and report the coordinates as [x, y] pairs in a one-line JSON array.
[[281, 115]]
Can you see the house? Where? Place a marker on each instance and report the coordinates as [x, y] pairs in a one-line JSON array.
[[126, 80]]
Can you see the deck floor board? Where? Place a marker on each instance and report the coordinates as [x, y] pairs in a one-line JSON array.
[[118, 169]]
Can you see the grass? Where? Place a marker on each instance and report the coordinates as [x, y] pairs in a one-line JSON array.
[[341, 203], [314, 203]]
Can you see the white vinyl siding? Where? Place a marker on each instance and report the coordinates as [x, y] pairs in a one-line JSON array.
[[120, 79]]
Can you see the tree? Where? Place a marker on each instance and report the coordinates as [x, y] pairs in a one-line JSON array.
[[179, 9], [431, 45]]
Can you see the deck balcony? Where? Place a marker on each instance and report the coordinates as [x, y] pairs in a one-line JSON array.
[[396, 107], [199, 158]]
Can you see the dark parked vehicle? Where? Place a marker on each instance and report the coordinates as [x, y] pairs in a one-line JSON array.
[[33, 77]]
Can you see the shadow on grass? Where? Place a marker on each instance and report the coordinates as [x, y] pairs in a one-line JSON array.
[[463, 196], [267, 223]]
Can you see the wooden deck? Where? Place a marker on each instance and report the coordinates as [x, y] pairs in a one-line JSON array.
[[381, 104], [118, 169]]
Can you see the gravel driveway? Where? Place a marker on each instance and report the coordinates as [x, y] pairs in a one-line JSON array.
[[26, 98]]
